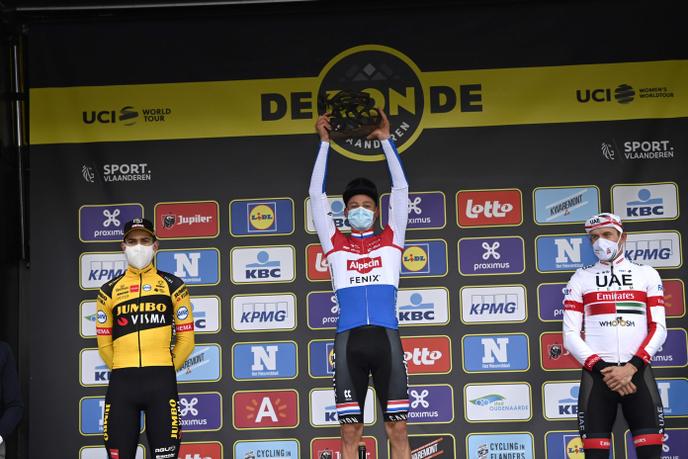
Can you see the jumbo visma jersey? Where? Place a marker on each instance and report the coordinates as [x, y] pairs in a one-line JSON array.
[[135, 315]]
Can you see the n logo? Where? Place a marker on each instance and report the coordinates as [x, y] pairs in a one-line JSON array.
[[568, 250], [187, 264], [264, 358], [495, 350]]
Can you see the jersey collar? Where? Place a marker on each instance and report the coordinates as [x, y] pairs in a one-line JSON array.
[[136, 272], [362, 234], [615, 262]]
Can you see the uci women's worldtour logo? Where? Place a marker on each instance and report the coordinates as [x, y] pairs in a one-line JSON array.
[[392, 80]]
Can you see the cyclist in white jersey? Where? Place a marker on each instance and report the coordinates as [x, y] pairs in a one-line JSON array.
[[619, 305]]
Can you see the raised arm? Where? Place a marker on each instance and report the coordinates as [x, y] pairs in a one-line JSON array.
[[320, 206]]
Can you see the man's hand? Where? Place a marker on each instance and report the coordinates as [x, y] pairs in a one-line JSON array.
[[628, 389], [382, 132], [322, 127], [616, 377]]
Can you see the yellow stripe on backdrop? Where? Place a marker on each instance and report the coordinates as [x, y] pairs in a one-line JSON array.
[[534, 95]]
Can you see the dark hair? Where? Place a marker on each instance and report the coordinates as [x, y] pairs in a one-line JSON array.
[[360, 185]]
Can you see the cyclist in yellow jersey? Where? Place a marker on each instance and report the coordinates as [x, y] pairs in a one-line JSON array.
[[135, 316]]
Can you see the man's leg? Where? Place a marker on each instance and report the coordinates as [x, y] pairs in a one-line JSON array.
[[121, 415], [397, 433], [597, 406], [163, 422], [644, 413]]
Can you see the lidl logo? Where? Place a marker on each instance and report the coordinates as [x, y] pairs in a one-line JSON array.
[[321, 358], [567, 444], [563, 252], [257, 217], [267, 264], [268, 360], [265, 409], [495, 353], [193, 266], [564, 205], [424, 259], [415, 258]]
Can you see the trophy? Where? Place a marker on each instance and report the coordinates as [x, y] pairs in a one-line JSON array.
[[352, 114]]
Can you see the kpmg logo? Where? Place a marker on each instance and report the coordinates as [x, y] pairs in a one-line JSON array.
[[321, 358], [200, 412], [480, 256], [180, 220], [498, 402], [323, 310], [646, 201], [495, 353], [323, 410], [256, 449], [265, 409], [263, 312], [253, 265], [563, 252], [562, 205], [657, 249], [481, 208], [337, 208], [92, 369], [100, 223], [426, 210], [560, 399], [258, 217], [431, 404], [204, 364], [424, 259], [672, 353], [96, 268], [493, 304], [550, 298], [507, 445], [567, 444], [423, 306], [206, 314], [269, 360], [193, 266]]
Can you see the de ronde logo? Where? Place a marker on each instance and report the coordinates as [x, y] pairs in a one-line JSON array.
[[126, 116]]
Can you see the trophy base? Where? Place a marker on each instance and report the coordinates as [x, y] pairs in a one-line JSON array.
[[361, 131]]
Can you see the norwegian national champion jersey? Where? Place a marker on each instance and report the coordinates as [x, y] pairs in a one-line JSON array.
[[364, 266], [621, 306]]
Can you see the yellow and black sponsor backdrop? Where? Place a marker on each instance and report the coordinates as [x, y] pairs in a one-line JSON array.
[[214, 109]]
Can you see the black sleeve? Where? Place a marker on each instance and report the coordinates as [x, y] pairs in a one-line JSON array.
[[11, 406]]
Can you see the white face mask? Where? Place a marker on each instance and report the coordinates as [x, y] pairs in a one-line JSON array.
[[605, 249], [139, 256], [361, 218]]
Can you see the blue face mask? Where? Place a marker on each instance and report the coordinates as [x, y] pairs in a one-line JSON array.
[[361, 218]]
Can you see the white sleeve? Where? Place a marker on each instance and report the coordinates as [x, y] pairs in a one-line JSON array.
[[398, 200], [574, 313], [320, 206], [656, 321]]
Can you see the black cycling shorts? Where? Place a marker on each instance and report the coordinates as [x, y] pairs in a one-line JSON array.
[[363, 351], [597, 407], [152, 390]]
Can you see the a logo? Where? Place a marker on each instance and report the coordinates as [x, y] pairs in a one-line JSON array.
[[427, 354], [487, 446], [317, 267], [336, 213], [92, 416], [256, 449], [646, 202], [266, 409], [126, 116], [330, 448], [495, 353], [88, 173], [497, 402], [488, 256], [423, 306], [426, 210], [623, 94], [431, 404], [257, 217], [674, 298], [489, 208], [674, 443], [560, 400], [567, 444], [424, 259], [200, 412], [96, 268], [564, 205], [204, 364], [193, 266], [92, 369], [99, 452], [563, 252], [99, 223], [321, 358], [254, 265], [180, 220], [89, 317], [672, 391], [657, 249], [493, 304], [323, 310], [608, 151], [550, 301], [323, 410], [125, 172], [553, 354], [673, 352], [269, 360], [431, 446], [648, 149], [206, 314], [182, 313], [263, 312], [200, 450]]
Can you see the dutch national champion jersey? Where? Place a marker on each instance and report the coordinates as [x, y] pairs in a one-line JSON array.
[[365, 266], [620, 306]]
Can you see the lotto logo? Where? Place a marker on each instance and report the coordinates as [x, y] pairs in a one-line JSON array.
[[489, 208], [427, 354]]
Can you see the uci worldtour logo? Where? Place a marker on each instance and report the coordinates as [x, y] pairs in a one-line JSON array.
[[392, 80], [126, 116]]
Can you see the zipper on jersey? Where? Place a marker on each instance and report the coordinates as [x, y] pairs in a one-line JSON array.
[[364, 245], [618, 327], [138, 326]]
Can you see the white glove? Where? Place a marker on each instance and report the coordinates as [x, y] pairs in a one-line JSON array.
[[1, 440]]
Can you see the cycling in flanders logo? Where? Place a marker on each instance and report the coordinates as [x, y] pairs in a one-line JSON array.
[[392, 80]]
